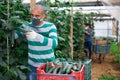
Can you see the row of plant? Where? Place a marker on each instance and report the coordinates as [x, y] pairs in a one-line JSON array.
[[13, 60], [109, 77]]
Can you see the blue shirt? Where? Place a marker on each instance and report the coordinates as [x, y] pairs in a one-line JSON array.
[[88, 37]]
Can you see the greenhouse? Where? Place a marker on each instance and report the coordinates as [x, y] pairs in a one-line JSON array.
[[60, 40]]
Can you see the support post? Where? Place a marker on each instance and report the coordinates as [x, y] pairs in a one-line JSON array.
[[71, 32], [32, 3]]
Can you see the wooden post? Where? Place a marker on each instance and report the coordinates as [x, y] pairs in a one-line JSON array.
[[82, 54], [32, 3], [71, 32]]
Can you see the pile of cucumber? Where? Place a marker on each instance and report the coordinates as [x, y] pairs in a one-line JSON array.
[[63, 66]]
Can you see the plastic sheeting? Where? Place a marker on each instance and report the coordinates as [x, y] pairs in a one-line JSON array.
[[113, 8], [112, 2]]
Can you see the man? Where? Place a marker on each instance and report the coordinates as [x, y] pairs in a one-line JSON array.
[[41, 37], [88, 40]]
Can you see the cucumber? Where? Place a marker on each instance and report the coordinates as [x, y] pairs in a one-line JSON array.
[[55, 70], [65, 67], [69, 68], [75, 66], [60, 71], [47, 67], [79, 65], [51, 70], [57, 62]]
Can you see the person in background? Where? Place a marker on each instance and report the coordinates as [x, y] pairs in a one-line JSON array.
[[88, 41], [41, 37]]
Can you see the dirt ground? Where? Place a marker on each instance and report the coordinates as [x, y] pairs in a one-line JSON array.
[[106, 67]]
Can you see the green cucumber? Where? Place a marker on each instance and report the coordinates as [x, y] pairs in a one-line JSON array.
[[75, 66], [60, 71], [68, 71], [55, 70], [47, 67], [65, 67], [79, 65], [57, 62], [51, 70]]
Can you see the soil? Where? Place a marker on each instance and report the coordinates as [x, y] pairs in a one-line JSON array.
[[106, 67]]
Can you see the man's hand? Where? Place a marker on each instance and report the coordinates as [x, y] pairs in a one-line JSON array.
[[31, 34], [86, 28], [86, 32]]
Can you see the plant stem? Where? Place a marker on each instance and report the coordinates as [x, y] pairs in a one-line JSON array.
[[8, 52]]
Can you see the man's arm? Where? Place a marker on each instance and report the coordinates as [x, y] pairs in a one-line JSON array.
[[50, 41]]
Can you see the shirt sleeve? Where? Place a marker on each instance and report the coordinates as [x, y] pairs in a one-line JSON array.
[[51, 41]]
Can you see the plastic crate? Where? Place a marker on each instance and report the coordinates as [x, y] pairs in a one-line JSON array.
[[41, 75], [87, 74], [50, 77], [102, 49]]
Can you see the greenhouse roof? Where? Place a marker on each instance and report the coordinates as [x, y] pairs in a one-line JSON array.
[[86, 2], [106, 7]]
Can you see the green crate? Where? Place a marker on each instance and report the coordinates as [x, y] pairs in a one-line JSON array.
[[88, 72], [102, 49], [88, 77]]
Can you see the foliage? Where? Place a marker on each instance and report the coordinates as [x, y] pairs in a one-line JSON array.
[[12, 62], [108, 77], [62, 23], [115, 51], [117, 59], [114, 48]]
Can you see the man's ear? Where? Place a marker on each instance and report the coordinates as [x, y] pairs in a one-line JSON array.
[[43, 16]]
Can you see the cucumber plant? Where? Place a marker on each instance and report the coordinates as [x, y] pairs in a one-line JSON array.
[[12, 62]]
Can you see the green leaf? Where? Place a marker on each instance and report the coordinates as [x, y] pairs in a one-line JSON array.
[[1, 76], [19, 12], [2, 63], [21, 75], [22, 67], [61, 39]]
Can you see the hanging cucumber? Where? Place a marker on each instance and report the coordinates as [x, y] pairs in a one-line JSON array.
[[12, 38]]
